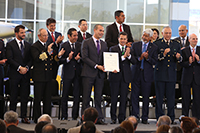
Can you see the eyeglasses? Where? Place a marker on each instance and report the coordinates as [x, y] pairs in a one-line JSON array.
[[181, 30]]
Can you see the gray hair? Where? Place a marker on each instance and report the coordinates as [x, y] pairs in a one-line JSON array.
[[11, 117], [164, 120], [166, 27], [149, 32], [45, 117], [39, 31]]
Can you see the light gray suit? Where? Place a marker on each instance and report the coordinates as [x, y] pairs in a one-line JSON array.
[[77, 130], [90, 74]]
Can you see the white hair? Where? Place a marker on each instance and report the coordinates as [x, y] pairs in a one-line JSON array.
[[45, 117], [11, 117], [149, 32]]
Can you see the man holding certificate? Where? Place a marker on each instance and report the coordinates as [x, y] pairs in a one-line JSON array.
[[93, 72], [119, 81]]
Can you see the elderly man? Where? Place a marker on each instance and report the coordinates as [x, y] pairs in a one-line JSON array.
[[191, 77], [163, 120], [165, 72], [45, 117], [11, 120], [43, 57], [146, 55]]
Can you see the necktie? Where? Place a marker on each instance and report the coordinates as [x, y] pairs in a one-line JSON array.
[[83, 36], [22, 48], [120, 28], [73, 49], [123, 51], [183, 42], [98, 46], [53, 38], [142, 62], [193, 54]]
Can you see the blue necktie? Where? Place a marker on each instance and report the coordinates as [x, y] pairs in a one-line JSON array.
[[22, 48], [183, 42], [142, 62]]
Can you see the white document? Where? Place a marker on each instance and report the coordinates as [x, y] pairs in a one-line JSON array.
[[111, 61]]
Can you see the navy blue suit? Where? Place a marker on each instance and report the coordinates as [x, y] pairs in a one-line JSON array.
[[55, 48], [165, 76], [142, 78], [119, 84], [15, 59], [190, 78], [71, 75]]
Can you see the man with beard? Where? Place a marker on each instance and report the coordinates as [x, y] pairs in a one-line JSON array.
[[19, 60]]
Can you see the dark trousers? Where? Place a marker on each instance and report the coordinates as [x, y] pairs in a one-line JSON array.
[[118, 88], [2, 103], [76, 89], [162, 88], [139, 86], [23, 90], [42, 91], [55, 69], [186, 98], [87, 88]]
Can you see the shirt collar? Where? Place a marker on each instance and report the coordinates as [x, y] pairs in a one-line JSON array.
[[50, 31], [185, 38], [42, 42], [18, 41], [95, 40], [82, 33], [120, 46], [192, 47]]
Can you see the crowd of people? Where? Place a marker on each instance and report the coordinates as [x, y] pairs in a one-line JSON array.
[[163, 61]]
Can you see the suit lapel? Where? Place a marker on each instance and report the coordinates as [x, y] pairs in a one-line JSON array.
[[17, 47], [115, 26]]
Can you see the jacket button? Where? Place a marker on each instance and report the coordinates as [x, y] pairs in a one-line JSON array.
[[167, 65], [168, 60], [168, 55], [45, 69]]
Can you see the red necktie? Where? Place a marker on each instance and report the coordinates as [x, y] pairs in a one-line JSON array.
[[53, 38], [83, 36], [120, 28], [193, 54]]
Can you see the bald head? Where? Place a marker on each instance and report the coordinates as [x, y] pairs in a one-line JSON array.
[[193, 39], [182, 29]]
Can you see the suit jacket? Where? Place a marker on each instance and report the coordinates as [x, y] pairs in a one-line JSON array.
[[190, 72], [77, 130], [112, 32], [42, 70], [50, 40], [80, 37], [178, 39], [2, 56], [124, 66], [15, 129], [15, 58], [90, 58], [148, 64], [70, 67], [165, 69]]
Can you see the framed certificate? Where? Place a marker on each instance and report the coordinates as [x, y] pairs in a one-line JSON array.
[[111, 61]]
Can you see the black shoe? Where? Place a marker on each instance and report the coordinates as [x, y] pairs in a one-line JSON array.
[[173, 123], [25, 120], [74, 118], [101, 122], [113, 122], [145, 122], [64, 118]]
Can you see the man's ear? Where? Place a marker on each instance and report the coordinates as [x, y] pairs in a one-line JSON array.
[[83, 117], [95, 120], [17, 122]]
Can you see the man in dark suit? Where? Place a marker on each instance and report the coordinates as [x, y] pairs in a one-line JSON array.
[[42, 73], [2, 62], [183, 40], [165, 72], [146, 54], [115, 28], [93, 71], [119, 80], [71, 73], [20, 62], [191, 77], [82, 34], [11, 121], [55, 38]]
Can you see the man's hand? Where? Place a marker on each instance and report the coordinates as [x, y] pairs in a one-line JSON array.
[[178, 55], [182, 48], [49, 48], [62, 51], [71, 55], [146, 55], [59, 39], [101, 68], [3, 61], [23, 70], [128, 44], [77, 56], [197, 57], [115, 71], [167, 50], [190, 60], [127, 53]]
